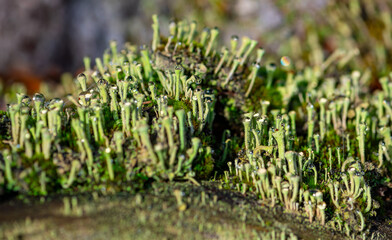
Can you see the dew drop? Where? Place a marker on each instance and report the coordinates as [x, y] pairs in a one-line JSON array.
[[234, 37], [82, 77], [113, 87], [102, 82], [55, 101], [39, 97], [107, 74], [96, 74], [256, 65], [285, 61]]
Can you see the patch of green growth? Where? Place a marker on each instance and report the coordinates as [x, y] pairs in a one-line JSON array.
[[140, 112], [321, 156], [302, 140], [179, 105]]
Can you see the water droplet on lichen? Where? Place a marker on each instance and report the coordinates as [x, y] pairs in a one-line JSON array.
[[82, 77], [285, 61], [38, 97]]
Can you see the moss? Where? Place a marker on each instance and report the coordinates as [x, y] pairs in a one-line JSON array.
[[179, 105]]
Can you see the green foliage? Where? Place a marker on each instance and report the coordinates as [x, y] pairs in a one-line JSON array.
[[186, 109]]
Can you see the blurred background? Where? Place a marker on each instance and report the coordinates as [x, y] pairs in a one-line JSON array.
[[42, 39]]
